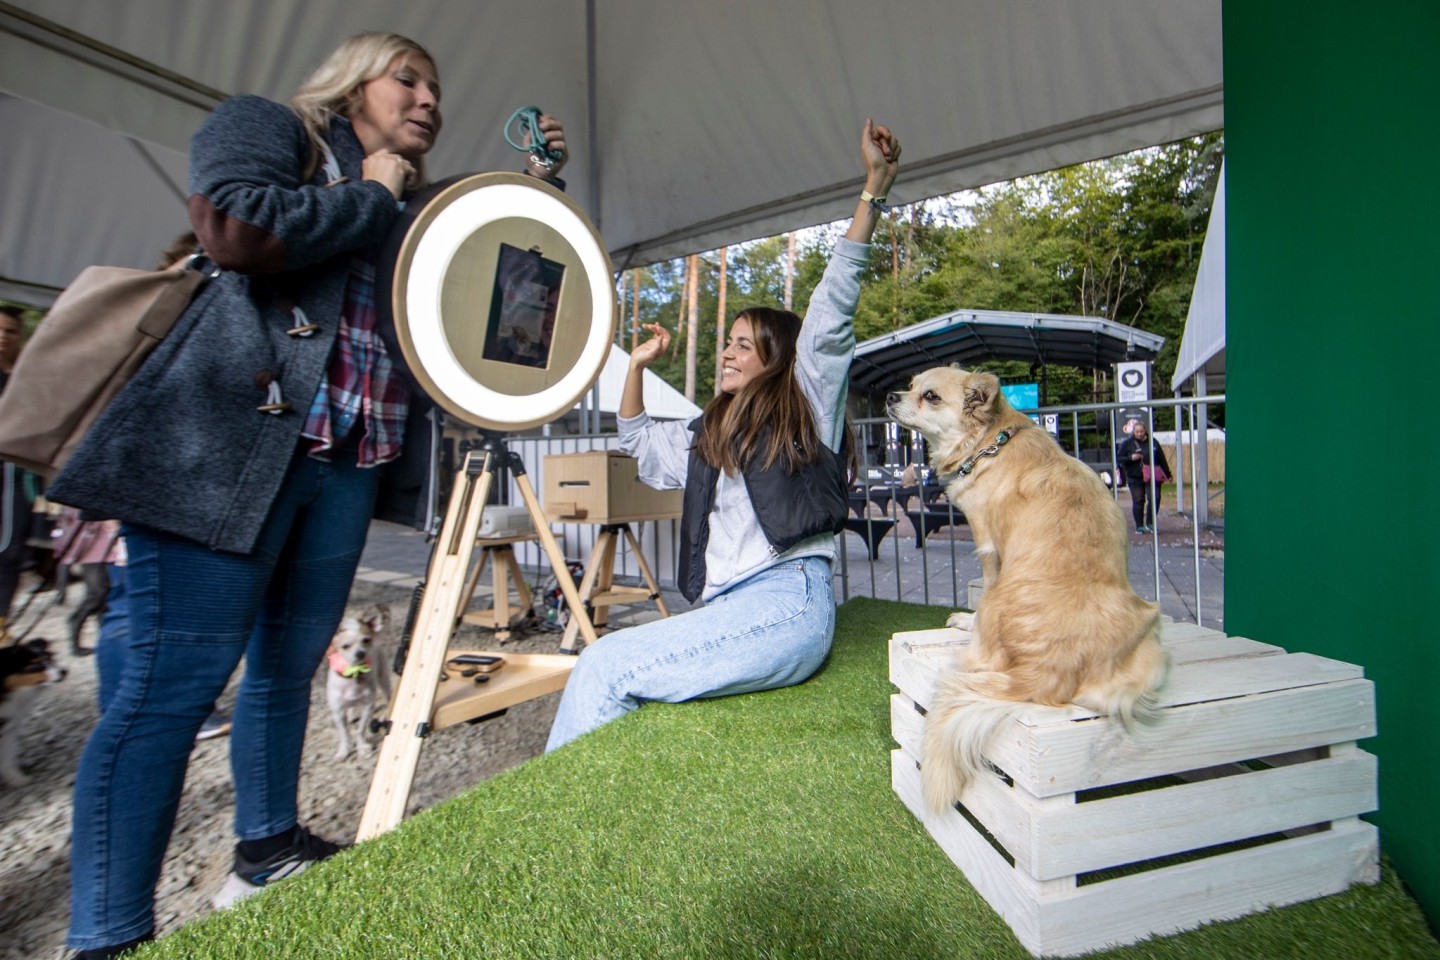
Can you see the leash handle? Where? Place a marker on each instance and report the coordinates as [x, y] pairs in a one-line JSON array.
[[528, 121]]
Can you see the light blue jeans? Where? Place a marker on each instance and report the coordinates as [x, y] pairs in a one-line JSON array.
[[771, 631], [193, 613]]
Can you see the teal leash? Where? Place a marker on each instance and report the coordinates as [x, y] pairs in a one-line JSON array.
[[528, 121]]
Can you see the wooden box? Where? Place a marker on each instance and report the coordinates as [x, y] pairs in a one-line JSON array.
[[603, 486], [1245, 794]]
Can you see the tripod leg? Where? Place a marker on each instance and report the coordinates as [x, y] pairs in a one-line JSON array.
[[600, 614], [645, 572], [414, 700], [557, 559], [587, 588]]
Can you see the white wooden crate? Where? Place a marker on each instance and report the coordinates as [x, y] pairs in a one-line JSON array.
[[1253, 744]]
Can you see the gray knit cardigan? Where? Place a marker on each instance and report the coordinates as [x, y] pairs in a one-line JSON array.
[[183, 448]]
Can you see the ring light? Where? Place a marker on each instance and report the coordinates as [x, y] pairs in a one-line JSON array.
[[502, 299]]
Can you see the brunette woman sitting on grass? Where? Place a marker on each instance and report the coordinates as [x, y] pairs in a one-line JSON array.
[[765, 493]]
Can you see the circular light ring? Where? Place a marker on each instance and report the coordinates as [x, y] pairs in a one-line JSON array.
[[427, 255]]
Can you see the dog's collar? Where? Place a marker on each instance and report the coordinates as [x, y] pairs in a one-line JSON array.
[[1001, 438], [345, 668]]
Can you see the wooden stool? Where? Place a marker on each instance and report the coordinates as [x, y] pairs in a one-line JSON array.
[[597, 587], [505, 573]]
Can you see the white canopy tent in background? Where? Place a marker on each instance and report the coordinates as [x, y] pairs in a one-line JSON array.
[[691, 125], [662, 401], [1200, 365]]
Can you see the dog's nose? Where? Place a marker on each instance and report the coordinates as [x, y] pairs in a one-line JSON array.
[[892, 398]]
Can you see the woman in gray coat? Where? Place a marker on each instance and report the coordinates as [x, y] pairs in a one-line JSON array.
[[245, 460]]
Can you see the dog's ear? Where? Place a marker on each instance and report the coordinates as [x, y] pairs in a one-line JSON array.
[[981, 391], [377, 617]]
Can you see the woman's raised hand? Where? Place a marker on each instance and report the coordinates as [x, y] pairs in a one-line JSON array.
[[555, 143], [650, 350], [880, 149]]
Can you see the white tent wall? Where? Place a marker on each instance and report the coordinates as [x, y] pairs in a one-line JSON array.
[[1202, 349], [692, 125], [57, 218]]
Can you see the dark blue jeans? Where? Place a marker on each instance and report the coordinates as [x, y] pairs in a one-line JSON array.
[[114, 637], [193, 614]]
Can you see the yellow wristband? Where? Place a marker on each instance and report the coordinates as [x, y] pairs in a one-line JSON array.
[[877, 204]]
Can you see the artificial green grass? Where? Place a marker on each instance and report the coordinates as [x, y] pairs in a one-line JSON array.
[[758, 826]]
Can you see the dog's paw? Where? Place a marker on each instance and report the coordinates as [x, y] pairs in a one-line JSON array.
[[961, 620]]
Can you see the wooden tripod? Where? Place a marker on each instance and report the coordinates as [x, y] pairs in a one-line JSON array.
[[412, 711]]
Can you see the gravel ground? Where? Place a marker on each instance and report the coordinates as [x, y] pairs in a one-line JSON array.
[[35, 822]]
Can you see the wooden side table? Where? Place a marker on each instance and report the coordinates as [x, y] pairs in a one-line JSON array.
[[598, 589], [499, 553]]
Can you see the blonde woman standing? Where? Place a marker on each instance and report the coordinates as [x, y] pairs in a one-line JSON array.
[[245, 460]]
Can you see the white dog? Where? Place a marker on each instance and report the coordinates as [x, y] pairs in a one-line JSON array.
[[358, 671]]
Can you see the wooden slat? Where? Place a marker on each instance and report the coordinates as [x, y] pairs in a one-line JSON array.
[[1171, 632], [1050, 840], [1218, 888], [1219, 648], [907, 724], [1078, 756]]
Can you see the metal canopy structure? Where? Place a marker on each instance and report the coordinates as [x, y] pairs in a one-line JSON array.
[[967, 337]]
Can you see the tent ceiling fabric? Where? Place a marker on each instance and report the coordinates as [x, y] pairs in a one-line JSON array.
[[968, 337], [691, 125]]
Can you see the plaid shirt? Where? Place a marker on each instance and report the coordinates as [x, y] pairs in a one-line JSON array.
[[361, 383]]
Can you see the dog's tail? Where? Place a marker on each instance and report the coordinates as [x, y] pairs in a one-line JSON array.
[[966, 710]]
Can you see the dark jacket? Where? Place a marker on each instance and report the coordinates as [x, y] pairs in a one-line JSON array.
[[790, 507], [183, 448], [1150, 454]]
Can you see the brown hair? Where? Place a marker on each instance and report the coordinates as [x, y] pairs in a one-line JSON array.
[[181, 247], [770, 408]]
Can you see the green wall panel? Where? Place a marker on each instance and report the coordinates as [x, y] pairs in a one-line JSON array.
[[1332, 120]]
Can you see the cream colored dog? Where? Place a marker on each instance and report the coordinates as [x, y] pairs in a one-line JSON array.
[[1058, 622]]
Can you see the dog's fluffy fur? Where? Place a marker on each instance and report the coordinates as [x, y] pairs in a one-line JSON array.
[[1058, 622], [24, 669], [359, 649]]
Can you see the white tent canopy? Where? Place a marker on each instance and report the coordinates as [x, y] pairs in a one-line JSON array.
[[662, 401], [1202, 349], [691, 125]]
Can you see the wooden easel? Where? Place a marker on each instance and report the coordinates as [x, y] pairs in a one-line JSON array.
[[597, 586], [413, 708]]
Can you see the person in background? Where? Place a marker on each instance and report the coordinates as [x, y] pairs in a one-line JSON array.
[[765, 493], [245, 460], [18, 487], [1135, 453]]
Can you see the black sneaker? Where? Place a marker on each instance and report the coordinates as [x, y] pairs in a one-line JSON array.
[[249, 878]]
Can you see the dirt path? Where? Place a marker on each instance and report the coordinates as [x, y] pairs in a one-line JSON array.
[[35, 820]]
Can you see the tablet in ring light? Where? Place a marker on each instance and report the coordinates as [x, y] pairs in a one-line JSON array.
[[503, 301]]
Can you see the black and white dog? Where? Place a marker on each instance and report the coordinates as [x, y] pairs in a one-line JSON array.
[[24, 669]]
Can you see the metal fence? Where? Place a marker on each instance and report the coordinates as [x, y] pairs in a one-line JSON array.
[[905, 542]]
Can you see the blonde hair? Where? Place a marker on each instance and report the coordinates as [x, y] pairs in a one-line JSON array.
[[329, 91]]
